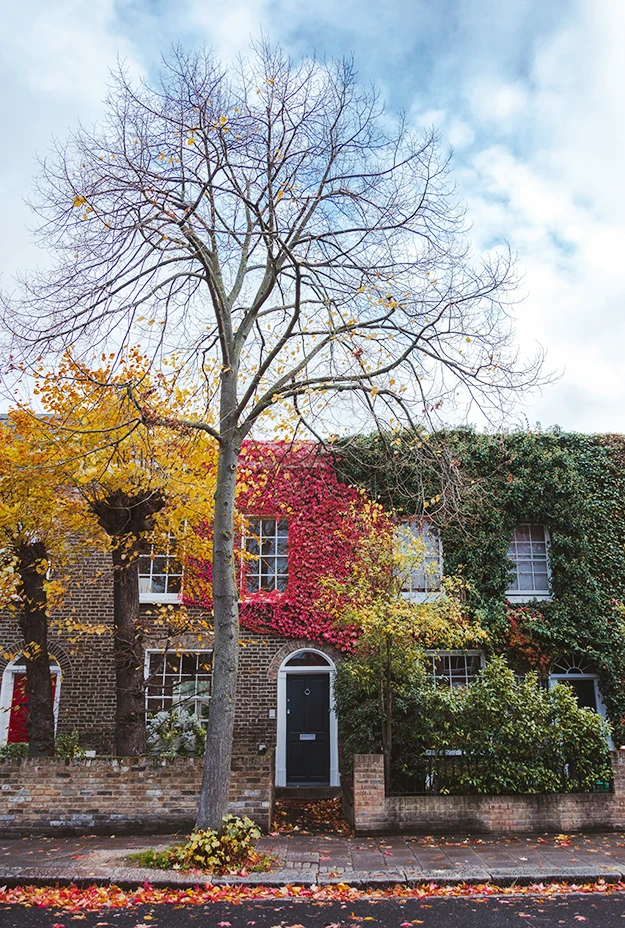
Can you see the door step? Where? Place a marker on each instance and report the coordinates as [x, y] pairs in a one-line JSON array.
[[315, 811]]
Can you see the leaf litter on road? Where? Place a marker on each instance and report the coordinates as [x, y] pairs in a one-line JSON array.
[[77, 900]]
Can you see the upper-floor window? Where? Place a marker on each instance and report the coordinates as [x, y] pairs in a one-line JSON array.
[[455, 668], [179, 680], [160, 571], [422, 545], [529, 554], [267, 549]]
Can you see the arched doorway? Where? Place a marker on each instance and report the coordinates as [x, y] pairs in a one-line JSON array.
[[307, 736], [580, 675], [14, 701]]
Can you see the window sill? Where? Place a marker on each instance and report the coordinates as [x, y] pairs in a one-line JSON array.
[[418, 596], [160, 598], [527, 597], [263, 596]]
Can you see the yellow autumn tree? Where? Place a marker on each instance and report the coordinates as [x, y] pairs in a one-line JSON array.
[[140, 481], [395, 630], [41, 520]]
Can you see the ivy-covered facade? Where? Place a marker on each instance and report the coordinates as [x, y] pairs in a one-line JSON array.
[[569, 485], [306, 513]]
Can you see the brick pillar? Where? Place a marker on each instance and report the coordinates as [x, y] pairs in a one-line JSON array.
[[618, 765], [369, 793]]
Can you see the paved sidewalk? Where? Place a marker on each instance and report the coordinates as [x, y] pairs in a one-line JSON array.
[[321, 859]]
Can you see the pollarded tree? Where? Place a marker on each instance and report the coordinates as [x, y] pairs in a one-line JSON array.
[[293, 244], [139, 481], [41, 521]]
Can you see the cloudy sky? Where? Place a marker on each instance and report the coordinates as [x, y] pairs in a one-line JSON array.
[[528, 93]]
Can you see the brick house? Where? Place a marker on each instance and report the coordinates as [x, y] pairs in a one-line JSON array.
[[274, 668], [288, 655]]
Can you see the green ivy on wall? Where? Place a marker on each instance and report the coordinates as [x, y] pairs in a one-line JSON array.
[[574, 484]]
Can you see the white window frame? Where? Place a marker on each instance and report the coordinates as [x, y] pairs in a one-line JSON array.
[[417, 529], [330, 669], [12, 670], [148, 596], [525, 596], [248, 558], [176, 652], [447, 652]]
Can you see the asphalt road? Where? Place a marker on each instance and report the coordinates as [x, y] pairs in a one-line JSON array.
[[592, 911]]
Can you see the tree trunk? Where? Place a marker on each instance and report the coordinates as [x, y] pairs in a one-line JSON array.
[[130, 737], [387, 714], [32, 560], [126, 518], [216, 782]]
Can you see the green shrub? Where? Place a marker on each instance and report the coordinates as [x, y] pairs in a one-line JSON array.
[[514, 736], [67, 747], [520, 737], [10, 751]]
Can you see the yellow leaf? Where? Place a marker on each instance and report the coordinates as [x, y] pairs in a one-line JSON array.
[[79, 201]]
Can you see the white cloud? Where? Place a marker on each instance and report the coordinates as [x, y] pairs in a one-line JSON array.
[[54, 65], [552, 184], [230, 30], [501, 104], [528, 93]]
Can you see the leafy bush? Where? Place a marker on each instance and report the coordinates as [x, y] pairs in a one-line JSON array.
[[175, 733], [67, 747], [514, 736], [232, 850], [10, 751]]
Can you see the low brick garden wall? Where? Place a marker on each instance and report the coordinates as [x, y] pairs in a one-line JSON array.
[[372, 811], [122, 794]]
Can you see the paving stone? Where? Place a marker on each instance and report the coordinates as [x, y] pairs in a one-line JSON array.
[[352, 877], [447, 876], [131, 877], [309, 859], [549, 874], [382, 877], [278, 878], [372, 859]]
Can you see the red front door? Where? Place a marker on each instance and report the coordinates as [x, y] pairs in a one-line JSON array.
[[18, 719]]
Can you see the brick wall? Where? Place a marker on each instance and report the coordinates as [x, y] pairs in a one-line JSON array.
[[81, 639], [374, 811], [117, 795]]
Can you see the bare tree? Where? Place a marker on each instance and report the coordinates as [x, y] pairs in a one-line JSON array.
[[289, 242]]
